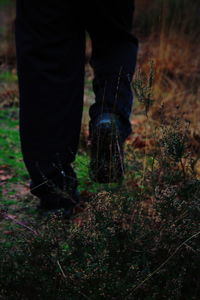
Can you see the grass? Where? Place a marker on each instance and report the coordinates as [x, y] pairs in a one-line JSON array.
[[4, 3], [10, 154], [135, 241], [14, 192], [8, 76], [179, 16]]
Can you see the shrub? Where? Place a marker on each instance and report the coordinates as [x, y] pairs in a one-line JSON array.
[[118, 248]]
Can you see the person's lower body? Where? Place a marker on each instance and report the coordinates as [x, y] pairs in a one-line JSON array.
[[50, 43], [113, 60]]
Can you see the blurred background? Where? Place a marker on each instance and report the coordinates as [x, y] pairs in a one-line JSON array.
[[169, 34]]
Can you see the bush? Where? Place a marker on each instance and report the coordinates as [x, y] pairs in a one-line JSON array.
[[138, 244]]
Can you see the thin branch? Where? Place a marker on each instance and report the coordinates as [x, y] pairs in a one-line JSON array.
[[12, 218], [163, 264], [61, 269]]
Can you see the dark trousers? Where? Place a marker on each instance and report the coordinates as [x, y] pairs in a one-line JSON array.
[[50, 42]]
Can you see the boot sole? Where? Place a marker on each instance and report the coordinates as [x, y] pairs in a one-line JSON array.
[[106, 164]]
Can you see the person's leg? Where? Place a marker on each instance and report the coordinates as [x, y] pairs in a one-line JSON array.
[[113, 58], [50, 46]]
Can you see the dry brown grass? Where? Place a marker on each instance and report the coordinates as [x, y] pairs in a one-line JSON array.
[[174, 48]]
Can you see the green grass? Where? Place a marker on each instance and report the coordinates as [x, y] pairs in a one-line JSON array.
[[5, 2], [11, 156], [8, 76], [13, 196], [10, 153]]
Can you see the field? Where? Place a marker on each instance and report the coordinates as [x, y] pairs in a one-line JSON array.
[[138, 240]]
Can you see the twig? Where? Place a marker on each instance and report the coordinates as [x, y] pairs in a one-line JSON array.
[[12, 218], [163, 264], [61, 269], [64, 276], [44, 182]]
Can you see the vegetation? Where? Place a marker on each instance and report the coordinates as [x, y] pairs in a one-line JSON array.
[[141, 241]]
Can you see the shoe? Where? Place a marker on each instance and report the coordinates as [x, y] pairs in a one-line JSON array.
[[107, 157], [58, 204], [59, 191]]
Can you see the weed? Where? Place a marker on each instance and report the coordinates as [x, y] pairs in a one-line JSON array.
[[132, 244], [143, 87]]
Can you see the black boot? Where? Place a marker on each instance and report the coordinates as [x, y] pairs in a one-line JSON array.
[[107, 157], [55, 184]]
